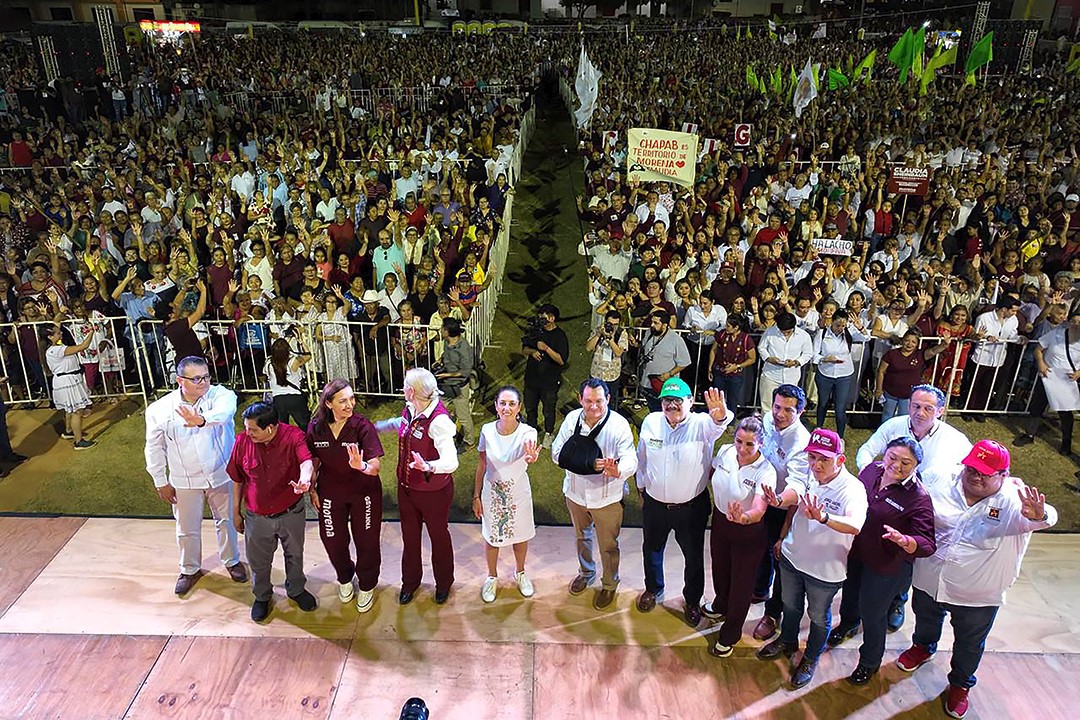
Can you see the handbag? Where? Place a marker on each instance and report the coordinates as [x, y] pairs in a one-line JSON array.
[[580, 452]]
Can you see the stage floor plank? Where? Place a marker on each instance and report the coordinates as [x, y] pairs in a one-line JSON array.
[[62, 676], [203, 677], [27, 545]]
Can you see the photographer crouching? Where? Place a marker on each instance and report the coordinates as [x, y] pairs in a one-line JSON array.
[[546, 348]]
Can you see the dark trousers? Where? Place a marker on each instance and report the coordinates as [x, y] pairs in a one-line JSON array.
[[536, 395], [736, 552], [614, 393], [1038, 406], [5, 438], [732, 386], [688, 520], [261, 537], [293, 406], [867, 597], [981, 393], [767, 574], [361, 517], [971, 626], [838, 390], [432, 509]]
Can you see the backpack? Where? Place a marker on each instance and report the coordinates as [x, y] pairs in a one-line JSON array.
[[580, 452]]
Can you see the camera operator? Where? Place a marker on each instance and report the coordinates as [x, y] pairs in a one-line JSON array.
[[547, 349], [663, 355], [607, 344]]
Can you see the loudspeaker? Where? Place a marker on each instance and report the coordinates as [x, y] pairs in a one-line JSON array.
[[78, 48]]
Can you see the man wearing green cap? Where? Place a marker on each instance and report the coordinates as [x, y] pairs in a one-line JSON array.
[[675, 451]]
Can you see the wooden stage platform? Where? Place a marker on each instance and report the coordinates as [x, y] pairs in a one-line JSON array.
[[90, 628]]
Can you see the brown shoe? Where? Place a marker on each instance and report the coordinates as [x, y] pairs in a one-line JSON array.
[[237, 572], [184, 583], [646, 601], [765, 629], [603, 598], [579, 584]]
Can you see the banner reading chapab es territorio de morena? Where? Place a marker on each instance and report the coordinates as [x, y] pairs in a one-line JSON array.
[[655, 155]]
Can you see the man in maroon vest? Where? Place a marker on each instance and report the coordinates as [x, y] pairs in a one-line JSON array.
[[427, 460]]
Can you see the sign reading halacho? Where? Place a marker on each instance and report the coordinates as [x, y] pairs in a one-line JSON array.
[[654, 155], [832, 246], [909, 180]]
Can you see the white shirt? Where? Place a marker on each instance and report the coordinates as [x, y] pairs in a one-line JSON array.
[[1053, 344], [441, 430], [979, 548], [816, 549], [243, 184], [697, 321], [660, 213], [992, 354], [616, 440], [842, 290], [611, 264], [731, 483], [829, 343], [798, 347], [190, 457], [786, 451], [944, 446], [673, 462]]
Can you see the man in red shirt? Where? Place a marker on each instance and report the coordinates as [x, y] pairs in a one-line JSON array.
[[342, 232], [271, 469]]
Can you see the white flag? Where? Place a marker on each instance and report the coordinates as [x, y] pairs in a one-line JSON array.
[[587, 86], [819, 34], [689, 128], [805, 89], [772, 26]]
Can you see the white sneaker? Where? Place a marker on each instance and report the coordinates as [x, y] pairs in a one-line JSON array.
[[548, 439], [487, 594], [345, 592], [364, 600], [525, 584]]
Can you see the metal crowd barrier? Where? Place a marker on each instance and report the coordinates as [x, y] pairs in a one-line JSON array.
[[110, 367], [969, 388]]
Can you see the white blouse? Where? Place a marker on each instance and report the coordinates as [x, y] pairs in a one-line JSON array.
[[731, 483]]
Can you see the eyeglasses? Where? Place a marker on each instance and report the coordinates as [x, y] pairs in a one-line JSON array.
[[199, 380], [672, 402]]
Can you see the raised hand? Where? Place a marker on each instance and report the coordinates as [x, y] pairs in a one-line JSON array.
[[532, 451], [356, 457], [1033, 503], [715, 402], [419, 463], [770, 496], [190, 415], [611, 467], [908, 544], [813, 508], [735, 512]]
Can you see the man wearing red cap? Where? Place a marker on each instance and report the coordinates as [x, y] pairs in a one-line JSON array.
[[983, 520], [830, 511]]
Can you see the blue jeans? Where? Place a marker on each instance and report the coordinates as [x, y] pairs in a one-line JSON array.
[[799, 589], [732, 387], [838, 389], [971, 625], [893, 406]]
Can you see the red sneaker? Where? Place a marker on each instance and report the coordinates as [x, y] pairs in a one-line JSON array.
[[956, 702], [913, 658]]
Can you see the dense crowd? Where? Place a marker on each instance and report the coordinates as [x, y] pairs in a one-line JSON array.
[[325, 228], [944, 288]]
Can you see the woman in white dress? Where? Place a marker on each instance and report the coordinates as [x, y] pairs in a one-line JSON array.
[[70, 393], [502, 497], [335, 342]]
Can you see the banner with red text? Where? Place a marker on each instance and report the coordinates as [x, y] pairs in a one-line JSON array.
[[654, 155]]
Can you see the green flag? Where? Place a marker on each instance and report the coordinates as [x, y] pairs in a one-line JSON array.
[[918, 48], [837, 79], [749, 33], [981, 53], [1074, 66], [751, 77], [867, 64], [738, 32], [940, 59], [849, 65], [777, 83], [900, 55]]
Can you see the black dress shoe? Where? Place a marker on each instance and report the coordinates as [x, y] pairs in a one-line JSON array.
[[441, 596], [861, 675], [305, 601], [1023, 439], [803, 674], [405, 597], [260, 610], [692, 613], [842, 633], [15, 457]]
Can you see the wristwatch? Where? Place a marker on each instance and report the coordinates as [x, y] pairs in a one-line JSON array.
[[824, 519]]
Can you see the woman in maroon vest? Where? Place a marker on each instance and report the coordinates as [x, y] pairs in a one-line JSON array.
[[427, 460], [347, 493]]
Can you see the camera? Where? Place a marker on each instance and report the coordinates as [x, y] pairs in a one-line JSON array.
[[534, 328]]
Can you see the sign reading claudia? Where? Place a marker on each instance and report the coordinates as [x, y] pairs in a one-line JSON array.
[[654, 155], [909, 180]]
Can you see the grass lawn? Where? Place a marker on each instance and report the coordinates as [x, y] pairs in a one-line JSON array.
[[542, 266]]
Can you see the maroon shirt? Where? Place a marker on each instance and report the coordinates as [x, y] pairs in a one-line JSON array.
[[906, 507], [337, 479], [903, 373], [413, 437], [266, 469]]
